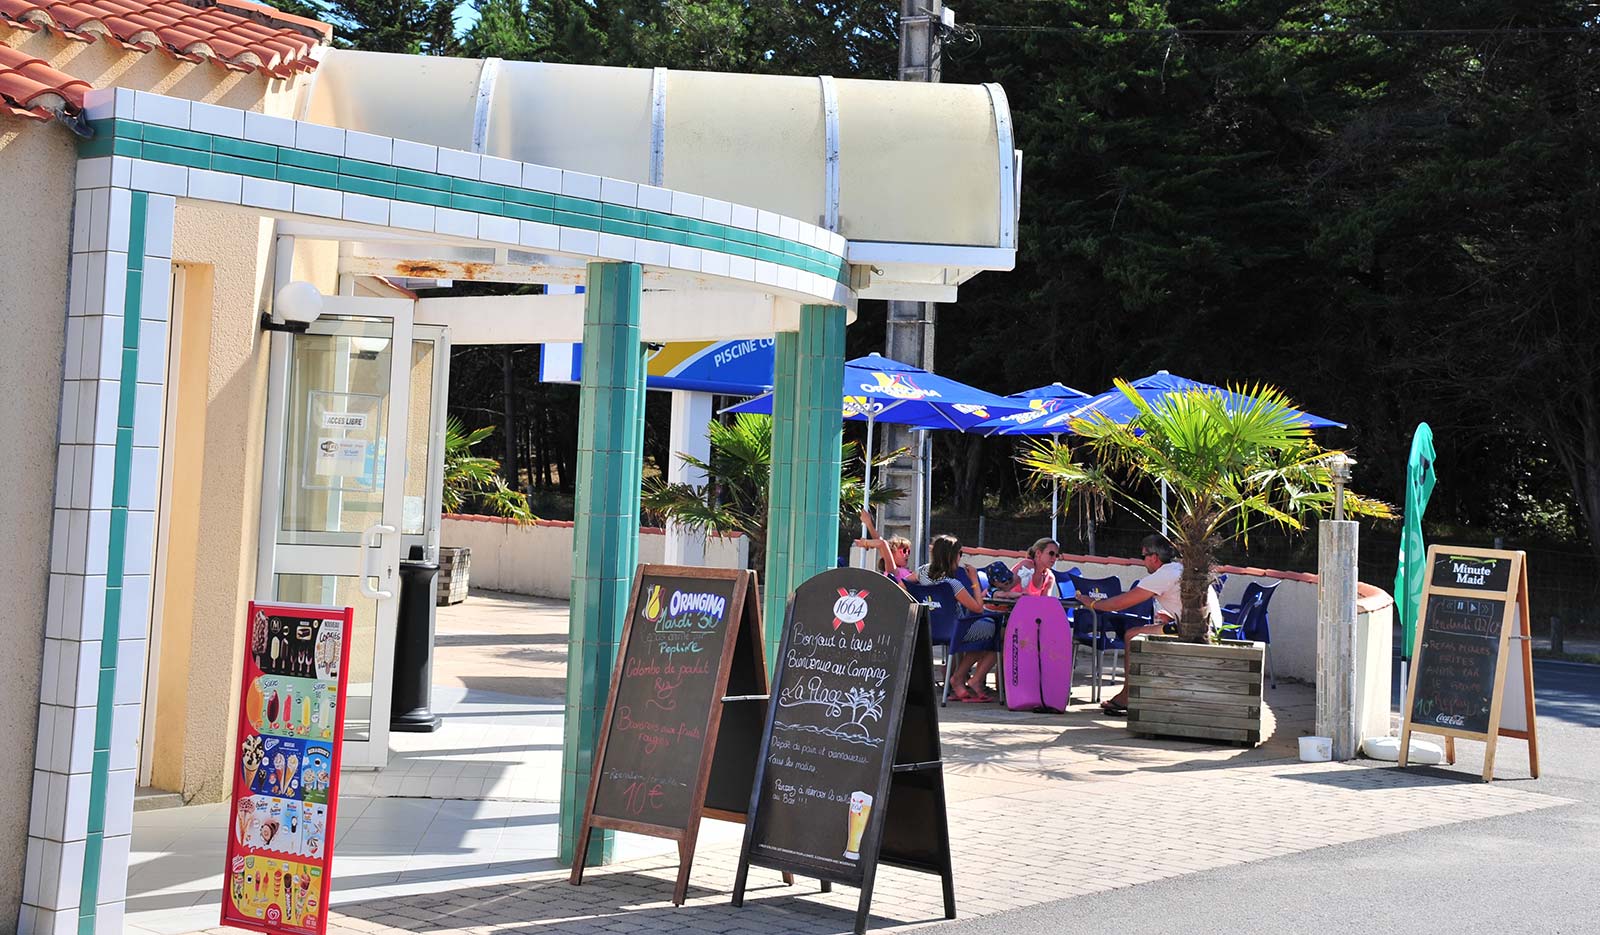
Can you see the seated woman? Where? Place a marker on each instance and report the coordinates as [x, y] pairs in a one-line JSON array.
[[893, 553], [975, 642], [1035, 575]]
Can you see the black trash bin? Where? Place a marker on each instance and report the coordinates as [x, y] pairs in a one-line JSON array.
[[411, 695]]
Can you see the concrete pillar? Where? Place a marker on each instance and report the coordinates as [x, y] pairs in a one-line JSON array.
[[606, 527], [1336, 636], [780, 519], [691, 414]]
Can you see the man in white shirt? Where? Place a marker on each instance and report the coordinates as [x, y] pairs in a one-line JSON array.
[[1162, 584]]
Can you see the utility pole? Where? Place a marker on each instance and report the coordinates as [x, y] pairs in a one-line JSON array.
[[909, 336]]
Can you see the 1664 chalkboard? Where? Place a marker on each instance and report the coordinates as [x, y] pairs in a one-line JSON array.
[[1460, 677], [850, 771], [671, 750]]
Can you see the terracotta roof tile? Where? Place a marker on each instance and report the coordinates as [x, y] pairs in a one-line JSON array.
[[29, 87], [237, 34]]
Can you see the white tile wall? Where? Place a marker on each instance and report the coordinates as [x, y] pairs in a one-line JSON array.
[[125, 736], [651, 253], [268, 194], [618, 192], [687, 205], [419, 156], [130, 668], [541, 178], [134, 619], [215, 186], [368, 146], [652, 198], [767, 223], [614, 247], [411, 216], [318, 138], [218, 121], [500, 171], [366, 209], [717, 211], [460, 164], [579, 241], [456, 223], [684, 258], [580, 184], [160, 177], [157, 108], [262, 128], [158, 227], [318, 201], [538, 235], [497, 229]]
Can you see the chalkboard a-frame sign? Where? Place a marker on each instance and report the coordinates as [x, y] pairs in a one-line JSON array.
[[670, 750], [850, 771], [1461, 677]]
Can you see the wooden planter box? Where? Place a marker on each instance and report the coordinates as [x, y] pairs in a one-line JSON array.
[[1201, 691], [455, 567]]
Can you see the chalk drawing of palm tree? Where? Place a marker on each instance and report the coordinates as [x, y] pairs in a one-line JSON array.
[[865, 705]]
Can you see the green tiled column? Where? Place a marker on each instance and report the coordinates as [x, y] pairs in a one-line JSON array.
[[780, 513], [818, 427], [605, 534], [803, 519]]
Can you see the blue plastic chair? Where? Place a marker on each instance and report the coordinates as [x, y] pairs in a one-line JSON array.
[[947, 627], [1096, 629], [1247, 620]]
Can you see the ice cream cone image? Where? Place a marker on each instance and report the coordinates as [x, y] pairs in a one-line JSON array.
[[250, 760]]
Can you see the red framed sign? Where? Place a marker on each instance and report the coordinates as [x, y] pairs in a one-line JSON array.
[[286, 768]]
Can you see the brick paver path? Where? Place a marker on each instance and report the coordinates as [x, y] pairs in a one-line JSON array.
[[1042, 808]]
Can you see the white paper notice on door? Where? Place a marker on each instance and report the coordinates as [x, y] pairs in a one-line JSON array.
[[343, 441]]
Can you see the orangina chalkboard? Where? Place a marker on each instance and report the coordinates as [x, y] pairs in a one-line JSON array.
[[850, 771], [671, 751]]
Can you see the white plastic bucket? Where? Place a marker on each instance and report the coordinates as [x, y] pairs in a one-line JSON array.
[[1316, 749]]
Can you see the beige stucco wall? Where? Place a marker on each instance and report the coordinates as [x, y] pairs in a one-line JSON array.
[[536, 558], [37, 164]]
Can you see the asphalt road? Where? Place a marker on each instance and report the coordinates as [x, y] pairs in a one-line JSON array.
[[1538, 872]]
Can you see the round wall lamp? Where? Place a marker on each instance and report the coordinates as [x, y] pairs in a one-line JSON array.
[[294, 308]]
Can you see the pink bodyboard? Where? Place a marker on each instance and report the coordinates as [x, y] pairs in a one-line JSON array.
[[1038, 656]]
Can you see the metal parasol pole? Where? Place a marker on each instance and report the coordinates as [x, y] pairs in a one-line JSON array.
[[866, 489], [1055, 494]]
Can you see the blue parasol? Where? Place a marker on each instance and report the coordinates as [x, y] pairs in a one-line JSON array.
[[880, 389]]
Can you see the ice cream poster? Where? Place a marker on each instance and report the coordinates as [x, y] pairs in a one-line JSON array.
[[286, 768]]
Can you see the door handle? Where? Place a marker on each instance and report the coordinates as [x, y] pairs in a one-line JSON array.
[[371, 540]]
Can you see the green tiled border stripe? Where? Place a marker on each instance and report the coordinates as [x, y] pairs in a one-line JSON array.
[[301, 167], [116, 558]]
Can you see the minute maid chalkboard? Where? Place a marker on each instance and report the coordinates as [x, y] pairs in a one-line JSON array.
[[671, 751], [1471, 603], [850, 771]]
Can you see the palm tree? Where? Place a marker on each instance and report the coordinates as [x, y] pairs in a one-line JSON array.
[[736, 494], [471, 477], [1230, 471]]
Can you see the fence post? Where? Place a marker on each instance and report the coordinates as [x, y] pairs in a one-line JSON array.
[[980, 530], [1557, 641]]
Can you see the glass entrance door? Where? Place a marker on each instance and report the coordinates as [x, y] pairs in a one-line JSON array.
[[334, 488]]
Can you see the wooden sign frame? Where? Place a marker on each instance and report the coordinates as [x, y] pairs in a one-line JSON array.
[[743, 632], [905, 842], [1514, 596]]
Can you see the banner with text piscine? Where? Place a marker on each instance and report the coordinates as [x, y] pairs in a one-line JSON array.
[[732, 368]]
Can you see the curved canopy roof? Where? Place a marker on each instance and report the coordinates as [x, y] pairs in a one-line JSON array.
[[920, 178]]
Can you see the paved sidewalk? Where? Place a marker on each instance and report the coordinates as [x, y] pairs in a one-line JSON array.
[[1042, 808]]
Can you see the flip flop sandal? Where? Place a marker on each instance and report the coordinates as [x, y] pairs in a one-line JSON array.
[[976, 698], [1113, 709]]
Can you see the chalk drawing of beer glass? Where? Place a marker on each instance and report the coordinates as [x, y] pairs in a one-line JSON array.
[[860, 811]]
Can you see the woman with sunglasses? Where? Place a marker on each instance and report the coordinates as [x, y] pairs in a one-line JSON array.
[[1035, 575]]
